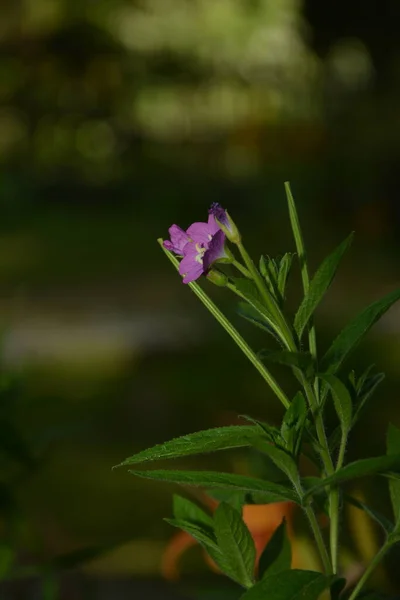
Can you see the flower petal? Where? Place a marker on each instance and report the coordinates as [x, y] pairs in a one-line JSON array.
[[219, 213], [199, 233], [189, 257], [213, 226], [179, 239], [216, 250], [195, 272]]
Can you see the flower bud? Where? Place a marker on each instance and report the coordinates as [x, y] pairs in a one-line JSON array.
[[225, 222], [217, 278]]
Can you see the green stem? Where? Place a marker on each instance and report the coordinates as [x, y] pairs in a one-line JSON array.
[[301, 251], [281, 327], [368, 571], [262, 312], [242, 269], [312, 519], [314, 397], [235, 335], [342, 451], [319, 540]]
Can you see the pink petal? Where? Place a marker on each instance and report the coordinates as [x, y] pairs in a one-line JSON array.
[[178, 237], [189, 258], [213, 226], [199, 233], [195, 272]]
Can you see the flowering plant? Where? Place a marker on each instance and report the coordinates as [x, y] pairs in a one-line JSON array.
[[202, 251]]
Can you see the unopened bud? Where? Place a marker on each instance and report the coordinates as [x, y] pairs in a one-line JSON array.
[[217, 278], [226, 224]]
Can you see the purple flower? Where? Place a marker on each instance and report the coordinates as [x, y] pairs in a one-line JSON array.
[[219, 213], [225, 222], [201, 245], [179, 239]]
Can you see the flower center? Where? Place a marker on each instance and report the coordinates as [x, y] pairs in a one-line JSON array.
[[200, 253]]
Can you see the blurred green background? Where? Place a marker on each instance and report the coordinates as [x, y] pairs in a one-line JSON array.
[[116, 120]]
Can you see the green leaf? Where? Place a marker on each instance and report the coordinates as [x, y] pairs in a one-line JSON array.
[[363, 378], [342, 400], [393, 448], [359, 468], [321, 500], [365, 393], [205, 537], [300, 360], [277, 554], [249, 290], [237, 499], [291, 584], [275, 271], [248, 312], [386, 525], [293, 424], [271, 433], [284, 269], [210, 440], [353, 333], [280, 457], [273, 492], [236, 544], [319, 285], [185, 510]]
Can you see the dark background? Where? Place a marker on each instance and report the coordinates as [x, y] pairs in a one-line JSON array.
[[116, 120]]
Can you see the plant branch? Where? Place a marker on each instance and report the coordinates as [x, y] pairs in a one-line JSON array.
[[235, 335]]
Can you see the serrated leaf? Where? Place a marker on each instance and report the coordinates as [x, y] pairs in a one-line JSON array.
[[359, 468], [209, 440], [319, 285], [393, 447], [273, 492], [341, 399], [271, 433], [386, 525], [292, 584], [205, 537], [185, 510], [352, 334], [280, 457], [236, 544], [277, 554]]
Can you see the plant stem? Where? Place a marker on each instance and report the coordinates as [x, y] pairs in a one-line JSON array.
[[319, 540], [368, 571], [242, 269], [301, 251], [312, 519], [235, 335], [314, 397], [263, 313], [282, 327]]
